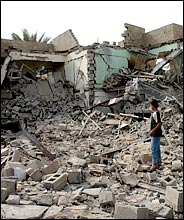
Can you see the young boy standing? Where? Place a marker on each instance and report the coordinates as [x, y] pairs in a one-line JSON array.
[[155, 133]]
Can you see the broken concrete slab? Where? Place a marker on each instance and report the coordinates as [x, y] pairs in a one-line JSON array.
[[22, 211], [52, 212], [92, 192], [130, 179]]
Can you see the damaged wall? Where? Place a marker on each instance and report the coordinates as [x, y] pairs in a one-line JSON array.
[[76, 71], [65, 41], [108, 61], [136, 36]]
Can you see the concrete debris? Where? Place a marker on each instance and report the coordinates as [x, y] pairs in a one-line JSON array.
[[75, 142]]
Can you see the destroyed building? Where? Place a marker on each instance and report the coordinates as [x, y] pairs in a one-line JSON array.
[[74, 121]]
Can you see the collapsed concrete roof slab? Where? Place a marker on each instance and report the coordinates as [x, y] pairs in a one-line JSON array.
[[37, 57], [28, 46], [65, 41]]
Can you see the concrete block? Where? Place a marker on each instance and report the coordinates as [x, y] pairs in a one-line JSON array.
[[123, 211], [57, 181], [10, 184], [20, 173], [14, 156], [106, 198], [51, 168], [4, 194], [36, 175], [35, 164], [90, 68], [168, 181], [13, 200], [7, 172], [95, 158], [176, 165], [75, 176], [174, 198]]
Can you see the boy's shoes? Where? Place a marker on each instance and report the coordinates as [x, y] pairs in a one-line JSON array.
[[159, 165], [153, 167]]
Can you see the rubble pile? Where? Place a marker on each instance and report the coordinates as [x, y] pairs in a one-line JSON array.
[[98, 166], [30, 107]]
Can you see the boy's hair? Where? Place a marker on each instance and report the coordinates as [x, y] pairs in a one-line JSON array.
[[154, 102]]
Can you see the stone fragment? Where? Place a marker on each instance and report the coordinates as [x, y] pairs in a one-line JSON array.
[[36, 175], [176, 165], [51, 168], [35, 164], [130, 179], [13, 200]]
